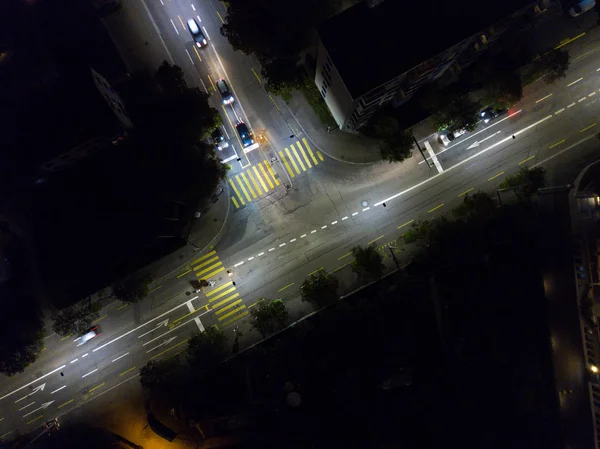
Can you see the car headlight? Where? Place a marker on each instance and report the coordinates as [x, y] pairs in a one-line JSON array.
[[198, 44], [204, 41]]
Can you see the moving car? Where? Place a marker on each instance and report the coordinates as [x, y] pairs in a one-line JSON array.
[[93, 332], [219, 139], [225, 93], [490, 114], [196, 33], [581, 7], [245, 135]]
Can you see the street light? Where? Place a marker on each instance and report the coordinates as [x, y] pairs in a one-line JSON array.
[[594, 369]]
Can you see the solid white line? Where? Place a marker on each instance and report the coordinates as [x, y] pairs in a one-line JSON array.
[[189, 56], [120, 357], [345, 218], [73, 361], [354, 213], [464, 161], [250, 258], [292, 241], [176, 328], [58, 389], [302, 236], [32, 382], [206, 33], [238, 264], [158, 33], [323, 227], [313, 231], [260, 254], [571, 105], [542, 99], [206, 90], [137, 328], [271, 249], [283, 244], [593, 136], [366, 209], [156, 347], [576, 81], [91, 372], [28, 405], [173, 23], [333, 222], [559, 111], [229, 159]]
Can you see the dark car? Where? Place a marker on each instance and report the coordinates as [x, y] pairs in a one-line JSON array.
[[490, 114], [196, 33], [226, 95], [245, 135], [219, 139]]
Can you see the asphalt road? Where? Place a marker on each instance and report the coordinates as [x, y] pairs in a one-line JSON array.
[[296, 211]]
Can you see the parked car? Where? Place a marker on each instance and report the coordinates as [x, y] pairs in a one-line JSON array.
[[580, 7], [219, 139], [490, 114], [92, 332], [196, 33], [226, 95], [244, 134], [448, 136]]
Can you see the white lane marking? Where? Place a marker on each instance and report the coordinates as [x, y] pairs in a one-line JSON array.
[[161, 2], [292, 241], [198, 17], [592, 94], [283, 244], [479, 142], [85, 355], [576, 81], [193, 7], [559, 111], [354, 213], [260, 254], [166, 342], [238, 264], [302, 236], [271, 249], [91, 372], [58, 389], [593, 136], [189, 56], [345, 218], [199, 324], [190, 306], [206, 33], [571, 105], [313, 231], [333, 222], [120, 357], [580, 100], [323, 227], [366, 209], [44, 405], [464, 161], [28, 405], [159, 325], [173, 23], [73, 361], [32, 382], [176, 328], [137, 328], [250, 258], [52, 334], [206, 90], [542, 99]]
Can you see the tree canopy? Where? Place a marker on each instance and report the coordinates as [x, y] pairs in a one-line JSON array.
[[526, 182], [368, 262], [480, 206], [206, 348], [459, 113], [132, 288], [76, 320], [503, 89], [282, 76], [320, 289], [269, 316], [553, 65]]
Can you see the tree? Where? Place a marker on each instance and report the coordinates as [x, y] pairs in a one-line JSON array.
[[282, 76], [76, 320], [479, 206], [398, 147], [206, 348], [526, 182], [269, 316], [154, 374], [553, 65], [426, 232], [503, 89], [132, 288], [459, 113], [320, 289], [368, 262], [171, 79], [22, 351]]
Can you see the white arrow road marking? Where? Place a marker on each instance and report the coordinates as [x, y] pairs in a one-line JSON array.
[[159, 324], [166, 342], [44, 405], [477, 142], [32, 382], [35, 390]]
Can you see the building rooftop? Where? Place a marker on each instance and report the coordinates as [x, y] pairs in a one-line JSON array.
[[371, 45]]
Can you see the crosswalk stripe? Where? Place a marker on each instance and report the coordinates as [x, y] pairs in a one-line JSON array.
[[214, 273], [235, 203], [286, 165], [233, 312], [262, 183], [304, 154], [272, 172], [256, 186], [320, 156], [297, 157], [305, 142], [248, 184], [223, 293], [243, 188], [292, 160], [200, 259], [211, 268], [236, 191], [262, 169], [234, 319], [227, 307], [219, 288], [225, 301], [205, 263]]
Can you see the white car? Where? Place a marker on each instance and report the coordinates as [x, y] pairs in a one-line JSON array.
[[581, 7], [446, 136], [93, 332]]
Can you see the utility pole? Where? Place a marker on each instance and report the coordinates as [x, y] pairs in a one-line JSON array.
[[422, 154]]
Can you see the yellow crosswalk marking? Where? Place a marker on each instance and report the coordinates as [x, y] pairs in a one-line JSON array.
[[262, 183], [230, 306], [304, 154], [298, 157], [220, 295], [236, 191], [211, 268], [219, 288], [272, 172], [233, 312], [320, 156], [285, 164], [200, 259], [205, 263], [234, 319], [305, 142], [262, 169], [225, 301], [214, 273], [243, 188], [248, 184], [235, 203], [256, 186], [292, 160]]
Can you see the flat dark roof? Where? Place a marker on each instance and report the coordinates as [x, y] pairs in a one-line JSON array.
[[370, 46]]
